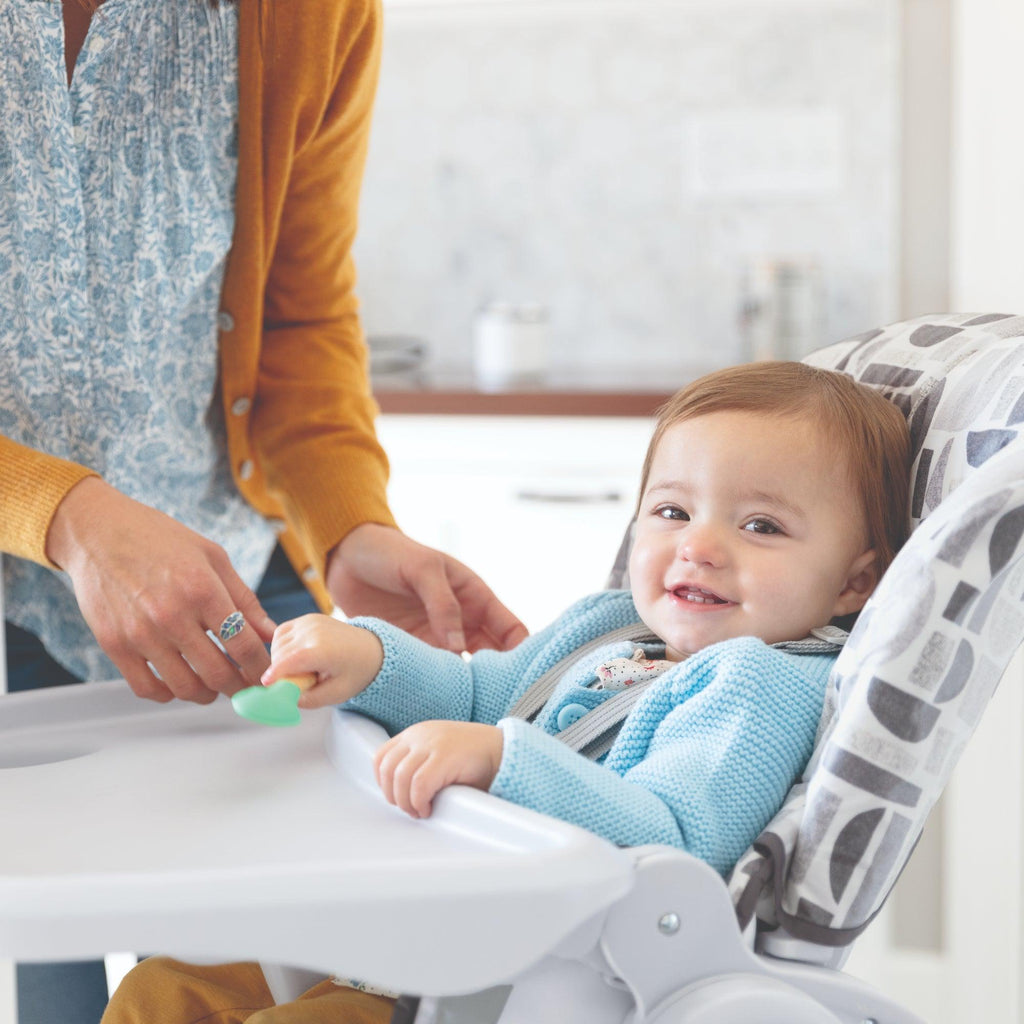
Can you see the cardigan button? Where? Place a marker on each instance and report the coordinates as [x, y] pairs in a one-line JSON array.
[[240, 406], [246, 470], [308, 574], [225, 321], [569, 715]]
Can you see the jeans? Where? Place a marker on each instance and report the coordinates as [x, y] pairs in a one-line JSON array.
[[76, 992]]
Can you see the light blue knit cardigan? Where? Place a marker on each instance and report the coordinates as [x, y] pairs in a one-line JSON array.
[[703, 761]]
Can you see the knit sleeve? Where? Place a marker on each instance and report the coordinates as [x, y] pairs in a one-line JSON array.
[[32, 485], [703, 762], [418, 682], [542, 773]]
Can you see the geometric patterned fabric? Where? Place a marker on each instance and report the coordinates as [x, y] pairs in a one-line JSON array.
[[927, 651]]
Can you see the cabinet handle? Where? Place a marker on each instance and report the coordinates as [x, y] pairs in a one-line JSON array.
[[570, 497]]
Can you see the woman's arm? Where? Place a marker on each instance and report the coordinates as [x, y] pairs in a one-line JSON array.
[[148, 587], [32, 486], [313, 420]]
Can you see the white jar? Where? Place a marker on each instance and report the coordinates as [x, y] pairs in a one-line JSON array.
[[510, 345]]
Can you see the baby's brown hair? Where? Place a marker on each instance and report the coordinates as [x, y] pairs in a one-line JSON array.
[[857, 421]]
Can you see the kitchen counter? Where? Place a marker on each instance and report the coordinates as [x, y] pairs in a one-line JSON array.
[[548, 402], [458, 395]]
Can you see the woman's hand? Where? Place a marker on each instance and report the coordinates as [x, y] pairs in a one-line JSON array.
[[149, 589], [377, 570], [345, 659], [414, 766]]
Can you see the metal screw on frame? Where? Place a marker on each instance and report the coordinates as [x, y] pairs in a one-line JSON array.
[[668, 924]]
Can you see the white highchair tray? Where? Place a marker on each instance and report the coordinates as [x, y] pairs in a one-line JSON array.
[[186, 830]]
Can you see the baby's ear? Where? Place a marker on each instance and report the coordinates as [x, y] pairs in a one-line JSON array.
[[861, 581]]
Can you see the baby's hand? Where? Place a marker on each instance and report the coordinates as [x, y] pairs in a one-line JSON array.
[[414, 766], [345, 659]]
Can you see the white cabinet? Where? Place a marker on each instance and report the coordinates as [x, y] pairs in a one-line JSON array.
[[536, 505]]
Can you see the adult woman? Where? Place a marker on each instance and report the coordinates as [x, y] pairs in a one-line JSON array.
[[182, 372]]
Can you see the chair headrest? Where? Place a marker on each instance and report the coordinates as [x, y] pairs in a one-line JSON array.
[[927, 651], [958, 379]]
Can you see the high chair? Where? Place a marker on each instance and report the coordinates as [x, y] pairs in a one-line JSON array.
[[222, 840]]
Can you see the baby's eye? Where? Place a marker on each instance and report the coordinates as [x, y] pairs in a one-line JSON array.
[[671, 512], [762, 526]]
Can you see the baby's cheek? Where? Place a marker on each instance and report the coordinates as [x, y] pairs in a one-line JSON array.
[[782, 600], [645, 563]]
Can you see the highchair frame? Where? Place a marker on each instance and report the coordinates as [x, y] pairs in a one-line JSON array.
[[580, 929]]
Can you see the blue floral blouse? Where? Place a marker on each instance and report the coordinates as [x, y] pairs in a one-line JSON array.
[[116, 215]]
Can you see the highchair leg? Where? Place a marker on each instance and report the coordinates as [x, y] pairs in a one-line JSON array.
[[669, 952], [673, 941], [674, 925], [558, 991]]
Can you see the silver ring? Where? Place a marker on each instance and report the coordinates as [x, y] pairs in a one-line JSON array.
[[231, 626]]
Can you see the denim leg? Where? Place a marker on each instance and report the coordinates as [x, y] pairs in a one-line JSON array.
[[76, 992], [29, 667], [281, 592], [71, 993]]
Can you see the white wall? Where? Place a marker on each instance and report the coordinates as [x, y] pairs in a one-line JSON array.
[[925, 157], [984, 836], [985, 827], [623, 162], [988, 156]]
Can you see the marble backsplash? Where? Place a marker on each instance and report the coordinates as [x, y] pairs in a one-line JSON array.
[[626, 164]]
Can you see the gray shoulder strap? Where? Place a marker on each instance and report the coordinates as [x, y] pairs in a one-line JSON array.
[[594, 733], [821, 640], [538, 692]]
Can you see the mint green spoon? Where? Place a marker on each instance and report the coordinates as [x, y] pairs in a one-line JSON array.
[[276, 704]]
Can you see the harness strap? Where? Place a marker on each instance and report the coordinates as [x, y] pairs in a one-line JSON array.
[[594, 733], [604, 721], [539, 691], [809, 645]]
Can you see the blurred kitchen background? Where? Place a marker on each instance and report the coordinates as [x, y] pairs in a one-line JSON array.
[[572, 207], [673, 183]]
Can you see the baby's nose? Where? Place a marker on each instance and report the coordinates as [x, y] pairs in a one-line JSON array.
[[703, 544]]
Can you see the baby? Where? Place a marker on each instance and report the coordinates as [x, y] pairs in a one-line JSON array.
[[773, 497]]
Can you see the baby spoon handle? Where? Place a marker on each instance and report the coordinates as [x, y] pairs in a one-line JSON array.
[[304, 680]]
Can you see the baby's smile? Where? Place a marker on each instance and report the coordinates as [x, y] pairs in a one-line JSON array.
[[693, 595]]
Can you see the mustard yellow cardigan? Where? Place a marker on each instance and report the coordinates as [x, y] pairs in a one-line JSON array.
[[293, 372]]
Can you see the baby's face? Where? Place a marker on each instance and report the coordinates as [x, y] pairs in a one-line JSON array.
[[747, 527]]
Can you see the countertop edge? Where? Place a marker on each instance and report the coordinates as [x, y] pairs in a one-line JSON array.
[[456, 402]]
